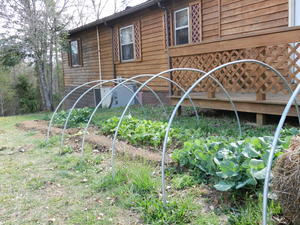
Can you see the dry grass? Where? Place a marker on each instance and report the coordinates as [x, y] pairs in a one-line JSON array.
[[286, 181]]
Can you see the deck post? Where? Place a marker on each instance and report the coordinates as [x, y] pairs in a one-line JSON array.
[[260, 118], [211, 94], [179, 111]]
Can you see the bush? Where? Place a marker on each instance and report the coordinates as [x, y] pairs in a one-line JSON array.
[[27, 96]]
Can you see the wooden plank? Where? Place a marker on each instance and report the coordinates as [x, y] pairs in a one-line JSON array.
[[255, 39], [269, 108], [255, 20], [255, 13]]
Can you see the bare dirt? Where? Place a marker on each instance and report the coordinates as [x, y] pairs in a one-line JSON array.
[[99, 142]]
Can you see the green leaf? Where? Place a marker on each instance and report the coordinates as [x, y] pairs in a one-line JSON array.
[[224, 186], [256, 164], [250, 152], [260, 174]]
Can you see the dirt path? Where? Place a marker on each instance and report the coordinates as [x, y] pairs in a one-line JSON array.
[[98, 141]]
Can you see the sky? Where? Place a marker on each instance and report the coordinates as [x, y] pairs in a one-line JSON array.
[[88, 13], [106, 11]]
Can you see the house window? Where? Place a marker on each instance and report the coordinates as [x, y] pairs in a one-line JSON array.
[[127, 43], [74, 53], [181, 18]]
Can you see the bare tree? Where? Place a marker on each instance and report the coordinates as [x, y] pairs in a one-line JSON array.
[[38, 24]]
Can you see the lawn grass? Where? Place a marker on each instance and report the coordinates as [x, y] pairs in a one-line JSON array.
[[40, 186]]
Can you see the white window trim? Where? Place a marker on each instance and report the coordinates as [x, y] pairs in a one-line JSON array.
[[133, 41], [78, 53], [182, 27], [291, 13], [293, 21]]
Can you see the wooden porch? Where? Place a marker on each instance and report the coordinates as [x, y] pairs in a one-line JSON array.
[[253, 87]]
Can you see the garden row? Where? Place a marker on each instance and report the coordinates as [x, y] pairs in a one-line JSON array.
[[227, 162]]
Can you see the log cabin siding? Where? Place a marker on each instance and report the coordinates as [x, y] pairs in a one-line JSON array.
[[90, 69], [219, 19], [246, 16], [107, 66], [154, 55], [223, 18]]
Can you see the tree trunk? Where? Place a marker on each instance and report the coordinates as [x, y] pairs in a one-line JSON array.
[[51, 72], [43, 86], [1, 105]]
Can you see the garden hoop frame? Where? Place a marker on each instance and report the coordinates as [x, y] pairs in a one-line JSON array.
[[190, 90], [137, 91]]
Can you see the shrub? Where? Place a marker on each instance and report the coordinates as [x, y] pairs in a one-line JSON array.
[[28, 96]]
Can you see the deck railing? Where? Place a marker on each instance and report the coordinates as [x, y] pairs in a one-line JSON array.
[[279, 48]]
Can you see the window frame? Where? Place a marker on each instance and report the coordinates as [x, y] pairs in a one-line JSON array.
[[182, 27], [133, 43], [78, 52]]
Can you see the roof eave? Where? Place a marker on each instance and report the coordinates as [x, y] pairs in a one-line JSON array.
[[115, 16]]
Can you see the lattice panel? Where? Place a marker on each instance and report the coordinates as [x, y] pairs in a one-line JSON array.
[[196, 22], [116, 45], [167, 31], [137, 41], [246, 77]]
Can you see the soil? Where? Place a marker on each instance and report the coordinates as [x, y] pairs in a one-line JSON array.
[[99, 142]]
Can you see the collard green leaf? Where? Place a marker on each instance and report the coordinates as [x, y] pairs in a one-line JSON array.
[[224, 186]]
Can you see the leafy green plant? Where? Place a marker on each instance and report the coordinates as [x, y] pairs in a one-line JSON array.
[[139, 132], [77, 117], [229, 165]]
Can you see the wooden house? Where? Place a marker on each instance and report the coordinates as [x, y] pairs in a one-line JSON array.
[[162, 34]]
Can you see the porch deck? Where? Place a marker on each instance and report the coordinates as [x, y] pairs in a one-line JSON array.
[[254, 88], [244, 102]]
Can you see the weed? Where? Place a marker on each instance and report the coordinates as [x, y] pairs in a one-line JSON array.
[[36, 183], [251, 212], [108, 182], [50, 143], [142, 182], [66, 150], [183, 181], [175, 211]]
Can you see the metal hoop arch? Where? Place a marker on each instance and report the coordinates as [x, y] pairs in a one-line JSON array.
[[186, 94], [139, 89], [62, 101], [271, 155], [188, 91], [91, 88]]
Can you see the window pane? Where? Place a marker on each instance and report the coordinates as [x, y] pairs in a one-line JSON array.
[[127, 52], [182, 36], [126, 36], [182, 18], [74, 47], [74, 53]]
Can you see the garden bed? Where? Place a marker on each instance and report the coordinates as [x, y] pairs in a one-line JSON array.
[[99, 142], [207, 152]]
